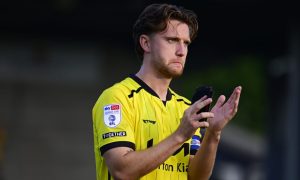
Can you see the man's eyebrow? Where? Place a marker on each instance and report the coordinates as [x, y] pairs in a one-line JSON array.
[[177, 39], [173, 38], [185, 41]]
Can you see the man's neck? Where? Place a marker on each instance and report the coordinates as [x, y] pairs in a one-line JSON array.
[[158, 84]]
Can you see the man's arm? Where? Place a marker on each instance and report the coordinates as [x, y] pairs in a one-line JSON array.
[[201, 166], [124, 163]]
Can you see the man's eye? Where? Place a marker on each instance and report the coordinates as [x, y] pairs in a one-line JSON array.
[[187, 43], [171, 40]]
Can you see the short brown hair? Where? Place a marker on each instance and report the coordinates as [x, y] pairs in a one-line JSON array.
[[155, 17]]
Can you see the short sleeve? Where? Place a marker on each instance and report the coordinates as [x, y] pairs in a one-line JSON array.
[[112, 121]]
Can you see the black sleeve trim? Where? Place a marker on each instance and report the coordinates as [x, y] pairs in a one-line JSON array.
[[109, 146]]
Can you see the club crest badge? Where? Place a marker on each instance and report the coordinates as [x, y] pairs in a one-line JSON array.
[[112, 115]]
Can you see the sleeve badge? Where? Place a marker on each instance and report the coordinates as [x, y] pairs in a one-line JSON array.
[[112, 115]]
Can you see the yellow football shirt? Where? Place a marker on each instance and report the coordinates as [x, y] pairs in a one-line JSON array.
[[130, 114]]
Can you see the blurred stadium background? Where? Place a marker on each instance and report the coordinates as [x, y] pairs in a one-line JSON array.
[[57, 56]]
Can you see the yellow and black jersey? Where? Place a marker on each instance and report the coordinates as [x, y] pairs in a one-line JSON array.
[[131, 114]]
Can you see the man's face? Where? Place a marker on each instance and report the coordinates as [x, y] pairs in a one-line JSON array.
[[168, 49]]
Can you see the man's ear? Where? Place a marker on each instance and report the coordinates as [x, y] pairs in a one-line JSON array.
[[145, 43]]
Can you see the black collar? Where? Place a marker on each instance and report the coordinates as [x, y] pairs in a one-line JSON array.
[[147, 88]]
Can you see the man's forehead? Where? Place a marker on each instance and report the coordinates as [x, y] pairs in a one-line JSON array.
[[176, 28]]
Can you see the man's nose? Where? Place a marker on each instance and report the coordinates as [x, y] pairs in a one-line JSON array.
[[181, 49]]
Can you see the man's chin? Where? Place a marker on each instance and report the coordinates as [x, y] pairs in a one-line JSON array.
[[176, 74], [172, 73]]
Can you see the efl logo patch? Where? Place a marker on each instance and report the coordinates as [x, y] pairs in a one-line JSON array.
[[112, 115]]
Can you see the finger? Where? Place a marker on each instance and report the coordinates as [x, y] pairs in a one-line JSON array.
[[238, 94], [231, 97], [220, 101], [234, 94], [203, 124], [200, 104], [204, 115], [237, 99], [201, 99], [235, 102]]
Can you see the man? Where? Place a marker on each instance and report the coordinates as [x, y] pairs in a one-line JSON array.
[[142, 128]]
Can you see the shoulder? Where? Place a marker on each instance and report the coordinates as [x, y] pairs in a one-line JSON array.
[[121, 89], [119, 93]]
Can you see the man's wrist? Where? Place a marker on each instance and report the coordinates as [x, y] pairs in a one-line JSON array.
[[178, 138], [213, 135]]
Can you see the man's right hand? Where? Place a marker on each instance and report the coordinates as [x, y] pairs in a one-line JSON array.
[[190, 120]]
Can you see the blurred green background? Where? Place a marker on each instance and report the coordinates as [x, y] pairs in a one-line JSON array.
[[247, 71]]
